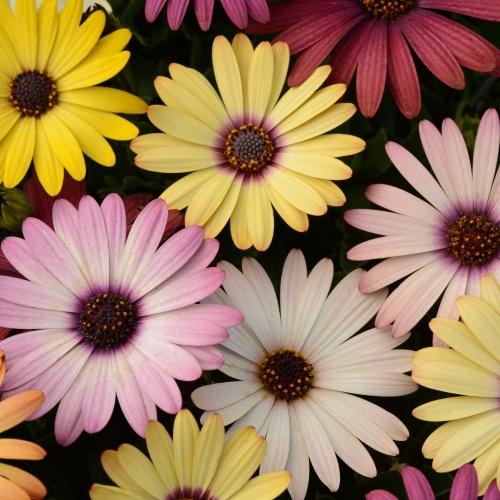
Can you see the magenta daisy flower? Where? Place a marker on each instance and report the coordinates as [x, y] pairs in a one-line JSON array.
[[110, 316], [237, 10], [446, 243], [372, 37]]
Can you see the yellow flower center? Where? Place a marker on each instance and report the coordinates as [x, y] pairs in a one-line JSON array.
[[287, 374], [249, 149], [107, 320], [387, 9], [33, 92], [473, 239]]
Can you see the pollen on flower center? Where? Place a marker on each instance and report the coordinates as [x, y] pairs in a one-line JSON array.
[[287, 374], [107, 320], [473, 239], [387, 9], [33, 92], [249, 149]]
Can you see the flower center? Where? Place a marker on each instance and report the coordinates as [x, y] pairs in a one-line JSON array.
[[33, 92], [287, 374], [473, 239], [249, 149], [387, 9], [107, 321], [187, 493]]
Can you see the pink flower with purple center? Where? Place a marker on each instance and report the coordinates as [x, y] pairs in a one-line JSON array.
[[109, 316], [237, 10], [444, 244], [373, 38]]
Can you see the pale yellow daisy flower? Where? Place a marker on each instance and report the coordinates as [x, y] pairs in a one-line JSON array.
[[193, 465], [248, 150], [51, 112], [471, 370], [16, 484]]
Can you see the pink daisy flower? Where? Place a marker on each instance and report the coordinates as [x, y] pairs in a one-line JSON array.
[[465, 486], [110, 316], [446, 243], [372, 37], [237, 10]]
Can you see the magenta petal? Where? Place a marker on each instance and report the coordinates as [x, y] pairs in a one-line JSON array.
[[153, 8], [142, 242], [431, 51], [237, 12], [209, 357], [380, 495], [54, 256], [160, 387], [176, 9], [169, 258], [482, 9], [170, 358], [203, 10], [259, 10], [416, 484], [180, 293], [492, 492], [114, 215], [402, 78], [136, 406], [372, 68], [465, 485], [100, 395]]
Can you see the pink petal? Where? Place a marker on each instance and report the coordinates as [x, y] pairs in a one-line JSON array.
[[259, 10], [27, 318], [465, 485], [492, 492], [203, 10], [153, 8], [176, 9], [416, 484], [402, 78], [209, 357], [380, 495], [237, 12], [68, 425]]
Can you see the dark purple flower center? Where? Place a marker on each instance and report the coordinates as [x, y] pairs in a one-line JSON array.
[[473, 239], [387, 9], [287, 374], [187, 493], [33, 92], [107, 320], [249, 149]]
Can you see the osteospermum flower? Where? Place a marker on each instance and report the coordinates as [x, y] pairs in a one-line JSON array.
[[445, 243], [237, 10], [195, 464], [372, 37], [16, 484], [464, 487], [111, 316], [470, 369], [49, 101], [250, 151], [297, 370]]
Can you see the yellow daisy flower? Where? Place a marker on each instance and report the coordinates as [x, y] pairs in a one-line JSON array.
[[16, 484], [194, 464], [471, 370], [248, 150], [50, 109]]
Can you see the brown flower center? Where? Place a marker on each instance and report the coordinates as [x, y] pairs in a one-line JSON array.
[[249, 149], [33, 92], [473, 239], [107, 321], [287, 374], [387, 9]]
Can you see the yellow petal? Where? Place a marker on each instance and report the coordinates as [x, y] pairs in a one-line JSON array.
[[264, 487], [93, 72], [176, 160], [47, 20], [19, 407], [260, 215], [329, 144], [8, 118], [11, 65], [260, 82], [487, 467], [26, 31], [102, 492], [49, 169], [109, 45], [490, 291], [442, 434], [161, 451], [186, 433], [7, 21], [17, 449], [243, 50], [29, 483], [281, 54], [11, 490], [314, 165], [18, 159], [294, 217], [227, 75], [296, 96], [330, 192], [454, 408], [154, 141], [238, 221]]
